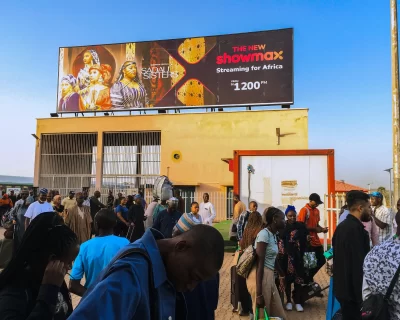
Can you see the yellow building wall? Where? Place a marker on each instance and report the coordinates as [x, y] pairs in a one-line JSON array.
[[203, 139]]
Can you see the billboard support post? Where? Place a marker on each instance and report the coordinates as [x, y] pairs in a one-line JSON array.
[[395, 99]]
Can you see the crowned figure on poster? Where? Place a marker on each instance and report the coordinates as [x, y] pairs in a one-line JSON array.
[[69, 101], [128, 92], [96, 96], [90, 58]]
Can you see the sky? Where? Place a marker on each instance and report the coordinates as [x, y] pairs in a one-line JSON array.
[[342, 65]]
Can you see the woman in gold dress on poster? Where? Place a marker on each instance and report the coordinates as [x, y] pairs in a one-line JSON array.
[[97, 95], [128, 92]]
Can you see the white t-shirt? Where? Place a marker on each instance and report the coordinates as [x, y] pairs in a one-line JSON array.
[[37, 208], [207, 213]]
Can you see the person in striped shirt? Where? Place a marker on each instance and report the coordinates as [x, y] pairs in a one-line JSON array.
[[382, 217]]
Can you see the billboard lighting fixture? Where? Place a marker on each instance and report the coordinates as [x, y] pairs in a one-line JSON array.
[[106, 114], [220, 109], [35, 136], [162, 111], [54, 115]]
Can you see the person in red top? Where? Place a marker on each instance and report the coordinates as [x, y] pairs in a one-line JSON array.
[[310, 216]]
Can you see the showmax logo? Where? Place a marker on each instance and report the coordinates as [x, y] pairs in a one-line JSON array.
[[250, 57]]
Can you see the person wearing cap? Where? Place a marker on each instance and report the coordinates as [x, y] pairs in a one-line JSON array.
[[167, 219], [18, 216], [382, 217], [70, 201], [310, 216], [38, 207]]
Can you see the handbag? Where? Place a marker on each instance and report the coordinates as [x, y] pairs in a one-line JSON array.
[[257, 316], [310, 260], [376, 306], [246, 262], [266, 317]]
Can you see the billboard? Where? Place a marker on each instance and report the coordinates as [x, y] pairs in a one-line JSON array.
[[229, 70]]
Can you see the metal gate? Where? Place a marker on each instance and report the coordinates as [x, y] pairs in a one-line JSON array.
[[68, 161], [131, 162]]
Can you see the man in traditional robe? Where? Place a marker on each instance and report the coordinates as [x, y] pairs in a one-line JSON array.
[[78, 218]]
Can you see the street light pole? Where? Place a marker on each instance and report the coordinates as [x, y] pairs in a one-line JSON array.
[[395, 98], [390, 186]]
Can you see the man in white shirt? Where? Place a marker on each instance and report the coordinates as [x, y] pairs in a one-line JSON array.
[[38, 207], [382, 217], [207, 211]]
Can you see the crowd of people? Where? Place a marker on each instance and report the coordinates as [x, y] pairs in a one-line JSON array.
[[169, 271], [366, 258], [158, 260], [280, 242]]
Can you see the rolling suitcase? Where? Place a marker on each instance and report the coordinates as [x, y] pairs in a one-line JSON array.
[[234, 288]]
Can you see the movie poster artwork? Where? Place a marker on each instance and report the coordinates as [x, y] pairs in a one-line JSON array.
[[229, 70]]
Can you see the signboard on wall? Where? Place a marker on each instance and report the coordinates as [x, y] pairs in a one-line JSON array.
[[229, 70]]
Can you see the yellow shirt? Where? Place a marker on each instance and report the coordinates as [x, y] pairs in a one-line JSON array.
[[68, 203]]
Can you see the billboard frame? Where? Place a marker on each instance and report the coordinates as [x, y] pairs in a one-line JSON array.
[[285, 104]]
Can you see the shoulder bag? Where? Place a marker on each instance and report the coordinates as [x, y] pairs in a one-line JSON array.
[[376, 306], [246, 261]]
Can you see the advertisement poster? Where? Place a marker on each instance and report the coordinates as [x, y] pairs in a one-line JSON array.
[[230, 70]]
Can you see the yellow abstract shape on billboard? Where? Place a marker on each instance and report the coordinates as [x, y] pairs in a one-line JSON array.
[[193, 49], [130, 51], [177, 71], [191, 93]]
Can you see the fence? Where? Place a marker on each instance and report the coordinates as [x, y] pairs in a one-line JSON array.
[[222, 202]]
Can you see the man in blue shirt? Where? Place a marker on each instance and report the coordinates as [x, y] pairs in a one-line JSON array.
[[97, 253], [167, 219], [178, 264]]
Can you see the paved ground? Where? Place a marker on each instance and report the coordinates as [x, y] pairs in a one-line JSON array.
[[313, 310]]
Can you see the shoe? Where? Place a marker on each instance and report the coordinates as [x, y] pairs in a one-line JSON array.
[[244, 314], [299, 308], [289, 307], [234, 309]]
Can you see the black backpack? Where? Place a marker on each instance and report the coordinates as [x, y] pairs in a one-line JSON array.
[[376, 306]]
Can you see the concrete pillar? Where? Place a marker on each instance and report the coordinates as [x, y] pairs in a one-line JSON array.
[[99, 160]]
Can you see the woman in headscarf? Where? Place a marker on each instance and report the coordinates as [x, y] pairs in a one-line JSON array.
[[128, 92], [69, 98], [294, 240], [90, 58], [32, 286], [96, 96]]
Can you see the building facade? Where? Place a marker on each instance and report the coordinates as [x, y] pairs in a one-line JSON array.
[[126, 153]]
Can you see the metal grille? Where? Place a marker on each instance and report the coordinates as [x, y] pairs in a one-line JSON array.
[[131, 160], [68, 161]]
